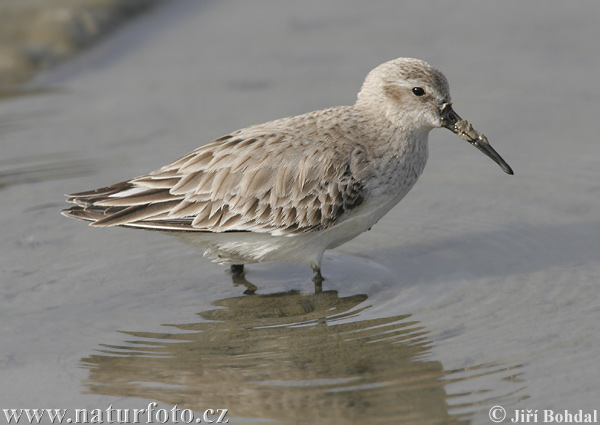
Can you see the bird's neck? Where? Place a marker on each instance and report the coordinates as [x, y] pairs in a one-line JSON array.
[[407, 150], [395, 144]]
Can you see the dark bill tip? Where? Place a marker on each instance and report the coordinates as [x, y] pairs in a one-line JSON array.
[[489, 151], [453, 122]]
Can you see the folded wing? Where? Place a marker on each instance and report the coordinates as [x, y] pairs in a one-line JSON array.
[[260, 179]]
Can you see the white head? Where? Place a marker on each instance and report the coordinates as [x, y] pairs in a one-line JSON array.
[[414, 97], [406, 91]]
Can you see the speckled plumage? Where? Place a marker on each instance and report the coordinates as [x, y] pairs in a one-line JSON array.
[[289, 189]]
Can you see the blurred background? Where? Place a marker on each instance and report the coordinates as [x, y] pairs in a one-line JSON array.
[[479, 289]]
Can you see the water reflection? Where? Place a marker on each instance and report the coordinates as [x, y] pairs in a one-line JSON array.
[[287, 356], [41, 168]]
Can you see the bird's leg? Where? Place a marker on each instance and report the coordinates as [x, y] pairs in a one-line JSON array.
[[237, 269], [318, 279], [238, 277]]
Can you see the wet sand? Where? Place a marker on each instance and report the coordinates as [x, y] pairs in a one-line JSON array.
[[479, 289], [38, 34]]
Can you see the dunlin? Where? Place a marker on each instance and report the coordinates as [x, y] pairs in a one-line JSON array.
[[289, 189]]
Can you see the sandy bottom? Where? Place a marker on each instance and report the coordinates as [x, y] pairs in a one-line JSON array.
[[479, 289]]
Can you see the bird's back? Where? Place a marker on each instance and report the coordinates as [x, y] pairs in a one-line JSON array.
[[284, 177]]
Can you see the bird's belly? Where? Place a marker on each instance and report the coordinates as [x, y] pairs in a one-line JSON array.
[[364, 217]]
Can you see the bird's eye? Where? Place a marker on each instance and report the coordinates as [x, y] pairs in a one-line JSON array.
[[418, 91]]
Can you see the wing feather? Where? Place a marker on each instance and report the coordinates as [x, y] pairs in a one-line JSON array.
[[284, 177]]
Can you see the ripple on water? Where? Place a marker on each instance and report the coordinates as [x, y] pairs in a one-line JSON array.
[[41, 168], [294, 358]]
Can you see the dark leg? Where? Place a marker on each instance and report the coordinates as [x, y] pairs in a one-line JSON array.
[[237, 269], [318, 279], [238, 277]]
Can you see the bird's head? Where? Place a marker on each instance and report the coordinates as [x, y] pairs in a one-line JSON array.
[[414, 96]]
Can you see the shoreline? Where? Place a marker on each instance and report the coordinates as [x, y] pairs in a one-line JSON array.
[[39, 34]]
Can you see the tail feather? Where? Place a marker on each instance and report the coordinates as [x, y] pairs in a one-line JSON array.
[[102, 192], [135, 213], [121, 204], [82, 214]]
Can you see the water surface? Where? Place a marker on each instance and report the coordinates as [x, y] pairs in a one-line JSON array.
[[480, 289]]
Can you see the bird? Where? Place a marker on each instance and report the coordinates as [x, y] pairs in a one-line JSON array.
[[289, 189]]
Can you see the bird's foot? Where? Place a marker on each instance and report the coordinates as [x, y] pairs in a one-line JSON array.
[[238, 276]]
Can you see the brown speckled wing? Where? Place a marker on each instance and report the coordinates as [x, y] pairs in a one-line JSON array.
[[260, 179]]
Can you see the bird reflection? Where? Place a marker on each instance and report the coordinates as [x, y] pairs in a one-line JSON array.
[[289, 357]]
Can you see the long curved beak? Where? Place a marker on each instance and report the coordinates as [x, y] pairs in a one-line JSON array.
[[453, 122]]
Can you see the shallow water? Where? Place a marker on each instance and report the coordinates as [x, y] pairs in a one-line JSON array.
[[479, 290], [288, 354]]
